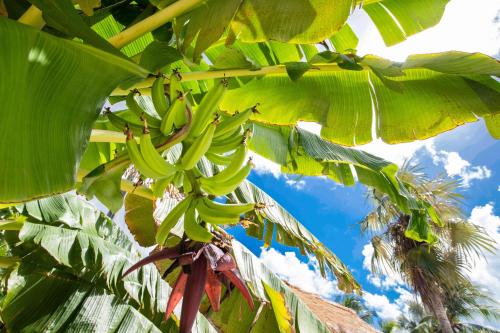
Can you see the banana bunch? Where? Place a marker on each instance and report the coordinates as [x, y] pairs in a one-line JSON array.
[[221, 139]]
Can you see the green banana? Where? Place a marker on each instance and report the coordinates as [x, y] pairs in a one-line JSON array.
[[175, 86], [171, 220], [136, 158], [177, 106], [121, 123], [227, 145], [198, 148], [239, 131], [233, 167], [158, 96], [153, 158], [230, 209], [192, 229], [231, 124], [229, 185], [139, 112], [207, 109], [180, 115], [219, 159], [214, 216]]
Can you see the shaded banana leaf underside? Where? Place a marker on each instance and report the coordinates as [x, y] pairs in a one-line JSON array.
[[420, 98], [78, 287], [298, 21], [88, 257]]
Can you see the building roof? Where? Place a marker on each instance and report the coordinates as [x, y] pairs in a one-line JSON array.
[[336, 317]]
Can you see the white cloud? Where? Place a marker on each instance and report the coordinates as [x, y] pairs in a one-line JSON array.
[[486, 271], [452, 33], [298, 184], [384, 308], [384, 282], [456, 166], [264, 166], [484, 217], [397, 153], [310, 126], [305, 276]]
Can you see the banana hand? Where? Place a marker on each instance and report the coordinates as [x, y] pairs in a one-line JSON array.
[[136, 158]]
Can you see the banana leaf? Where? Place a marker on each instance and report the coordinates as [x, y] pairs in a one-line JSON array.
[[52, 91]]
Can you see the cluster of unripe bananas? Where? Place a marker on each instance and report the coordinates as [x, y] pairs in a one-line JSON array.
[[221, 139]]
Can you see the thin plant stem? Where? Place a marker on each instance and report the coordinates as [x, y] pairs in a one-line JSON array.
[[152, 22], [218, 74]]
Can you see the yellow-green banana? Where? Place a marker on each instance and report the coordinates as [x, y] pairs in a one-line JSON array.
[[239, 131], [227, 145], [198, 148], [136, 158], [139, 112], [168, 121], [171, 220], [153, 158], [158, 96], [218, 189], [233, 167], [175, 86], [214, 216], [231, 124], [234, 209], [207, 109], [192, 229], [219, 159], [121, 123]]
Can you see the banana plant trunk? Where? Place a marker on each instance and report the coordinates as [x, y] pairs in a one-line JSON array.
[[440, 312]]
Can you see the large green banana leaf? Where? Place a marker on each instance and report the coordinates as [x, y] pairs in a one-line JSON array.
[[300, 21], [301, 152], [396, 20], [420, 98], [71, 274], [52, 91]]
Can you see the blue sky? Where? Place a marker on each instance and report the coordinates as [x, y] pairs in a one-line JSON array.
[[331, 211]]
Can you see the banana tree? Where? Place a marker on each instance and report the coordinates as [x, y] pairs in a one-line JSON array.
[[194, 86]]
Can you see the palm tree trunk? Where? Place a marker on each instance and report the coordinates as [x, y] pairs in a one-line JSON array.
[[440, 312]]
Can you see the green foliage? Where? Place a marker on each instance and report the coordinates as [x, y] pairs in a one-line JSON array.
[[45, 133]]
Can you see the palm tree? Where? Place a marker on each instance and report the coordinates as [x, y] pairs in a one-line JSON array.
[[388, 326], [461, 302], [466, 301], [354, 302], [433, 266]]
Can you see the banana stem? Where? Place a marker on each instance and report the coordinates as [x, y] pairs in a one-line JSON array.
[[33, 17], [152, 22], [216, 74]]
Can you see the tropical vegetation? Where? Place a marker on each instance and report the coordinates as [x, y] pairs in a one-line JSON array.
[[154, 107]]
